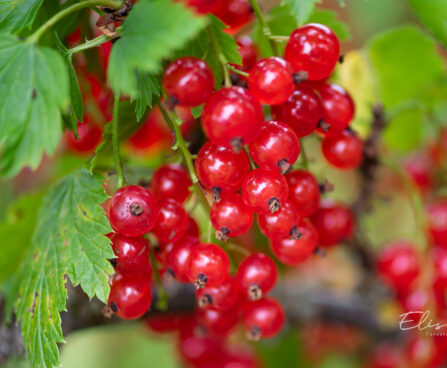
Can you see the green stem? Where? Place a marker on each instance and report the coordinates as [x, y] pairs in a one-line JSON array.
[[304, 158], [279, 38], [223, 60], [252, 164], [67, 11], [115, 143], [91, 43], [264, 25], [162, 303], [237, 71]]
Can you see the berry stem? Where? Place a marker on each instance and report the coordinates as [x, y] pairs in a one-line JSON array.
[[162, 302], [97, 41], [237, 71], [223, 60], [304, 158], [115, 143], [252, 164], [264, 26], [238, 248], [280, 38]]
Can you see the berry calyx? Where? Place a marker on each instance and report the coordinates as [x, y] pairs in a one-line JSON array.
[[177, 257], [304, 191], [281, 224], [219, 298], [344, 151], [171, 182], [172, 221]]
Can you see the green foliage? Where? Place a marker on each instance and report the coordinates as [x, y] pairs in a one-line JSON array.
[[196, 112], [151, 32], [31, 116], [149, 86], [17, 15], [282, 351], [329, 18], [68, 240], [302, 9]]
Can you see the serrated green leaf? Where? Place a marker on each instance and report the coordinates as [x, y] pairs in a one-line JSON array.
[[148, 87], [302, 9], [226, 42], [68, 240], [151, 32], [33, 92], [329, 18], [17, 15], [196, 112]]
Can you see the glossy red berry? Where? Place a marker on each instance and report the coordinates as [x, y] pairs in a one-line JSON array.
[[208, 265], [230, 216], [232, 116], [334, 222], [177, 257], [172, 221], [89, 136], [440, 261], [162, 323], [314, 49], [263, 318], [271, 81], [277, 147], [437, 222], [192, 229], [221, 297], [130, 296], [133, 211], [189, 81], [205, 6], [304, 191], [198, 349], [235, 13], [344, 151], [264, 191], [281, 224], [171, 182], [221, 169], [248, 51], [219, 323], [302, 111], [293, 252], [256, 275]]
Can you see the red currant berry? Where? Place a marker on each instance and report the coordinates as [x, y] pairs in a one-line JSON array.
[[293, 252], [171, 182], [235, 13], [344, 151], [232, 116], [314, 49], [230, 216], [302, 111], [208, 265], [172, 221], [177, 257], [89, 136], [256, 275], [419, 168], [334, 223], [271, 81], [189, 81], [264, 191], [133, 211], [198, 349], [130, 296], [304, 191], [440, 261], [281, 224], [263, 318], [221, 297], [239, 357], [248, 51], [204, 6], [219, 323], [437, 222], [162, 323], [192, 229], [221, 169], [277, 147]]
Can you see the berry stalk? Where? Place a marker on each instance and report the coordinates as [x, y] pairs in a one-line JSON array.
[[223, 60], [264, 25], [115, 144]]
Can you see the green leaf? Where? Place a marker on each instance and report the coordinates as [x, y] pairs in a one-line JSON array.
[[151, 32], [68, 240], [329, 18], [33, 92], [148, 87], [196, 112], [302, 9], [17, 15], [433, 14]]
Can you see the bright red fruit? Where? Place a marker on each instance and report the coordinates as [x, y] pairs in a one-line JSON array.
[[281, 224], [232, 116], [197, 349], [130, 296], [171, 182], [189, 81], [419, 168], [208, 265], [133, 211], [263, 318], [221, 297], [205, 6], [314, 49], [192, 229], [304, 191], [235, 13], [344, 151], [172, 221], [177, 257], [440, 261], [264, 191], [162, 323], [219, 323], [302, 111], [437, 222], [89, 136], [271, 80], [277, 147], [293, 252], [248, 51], [256, 275]]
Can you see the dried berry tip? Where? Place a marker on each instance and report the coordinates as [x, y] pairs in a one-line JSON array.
[[215, 194], [274, 204], [295, 233], [254, 334], [222, 234], [254, 292], [136, 209], [205, 300], [236, 144], [299, 77], [200, 281], [284, 166]]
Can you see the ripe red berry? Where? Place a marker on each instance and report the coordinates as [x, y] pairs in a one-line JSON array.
[[192, 229], [172, 221], [197, 349], [221, 169], [204, 6], [171, 182], [248, 51], [133, 211], [263, 318], [208, 265], [277, 147], [304, 191], [271, 80], [130, 296], [230, 216], [302, 111], [89, 136], [264, 191], [232, 116], [419, 168], [440, 261], [437, 222], [221, 297], [235, 13], [334, 222], [177, 257], [293, 252], [314, 49], [189, 81], [219, 323], [162, 323], [281, 224], [256, 275], [344, 151]]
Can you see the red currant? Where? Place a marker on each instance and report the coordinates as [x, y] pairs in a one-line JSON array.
[[162, 323], [177, 257], [198, 349], [235, 13], [277, 147], [264, 191], [172, 221], [189, 81], [192, 229], [440, 260], [208, 265], [344, 151], [221, 297], [133, 211], [233, 116], [314, 49], [248, 51], [437, 222], [89, 136], [171, 182], [219, 323], [204, 6], [281, 224], [304, 191], [419, 168], [256, 275], [302, 111], [130, 296]]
